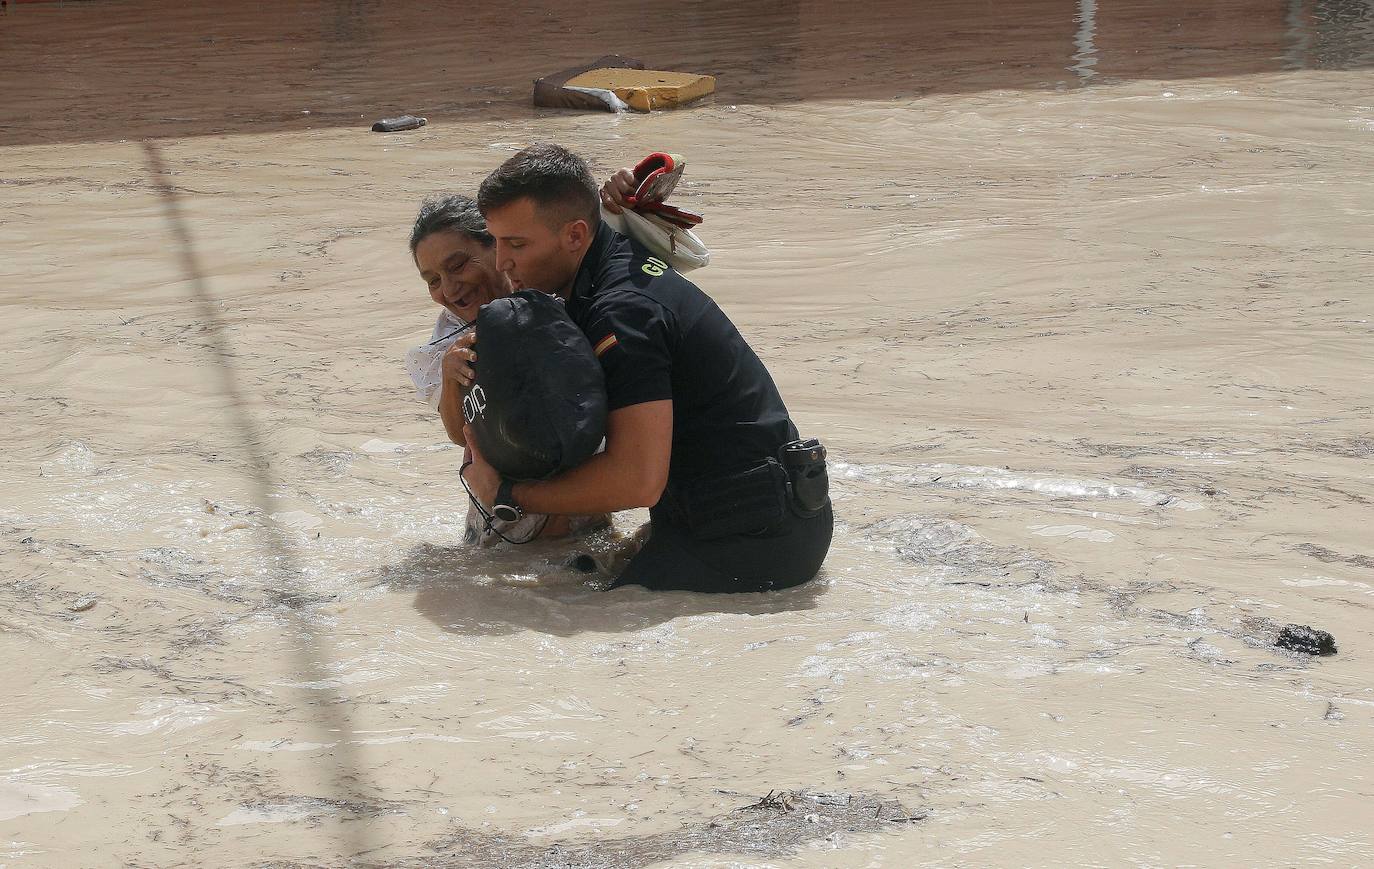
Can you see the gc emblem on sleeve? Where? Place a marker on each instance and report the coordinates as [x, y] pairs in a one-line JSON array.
[[654, 266]]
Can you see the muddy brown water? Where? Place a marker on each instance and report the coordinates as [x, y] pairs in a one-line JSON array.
[[1078, 294]]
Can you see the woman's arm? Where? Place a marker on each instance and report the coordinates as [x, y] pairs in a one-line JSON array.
[[451, 411], [457, 377]]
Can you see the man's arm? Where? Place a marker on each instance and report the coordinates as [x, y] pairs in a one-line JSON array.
[[632, 472]]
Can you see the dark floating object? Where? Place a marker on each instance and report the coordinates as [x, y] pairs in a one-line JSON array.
[[582, 563], [392, 125], [1309, 641]]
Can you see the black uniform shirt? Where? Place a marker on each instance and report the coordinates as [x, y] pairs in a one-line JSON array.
[[658, 336]]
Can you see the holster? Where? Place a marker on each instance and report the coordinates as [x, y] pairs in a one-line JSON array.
[[808, 481]]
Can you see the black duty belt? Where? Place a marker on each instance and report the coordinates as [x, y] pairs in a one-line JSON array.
[[755, 500]]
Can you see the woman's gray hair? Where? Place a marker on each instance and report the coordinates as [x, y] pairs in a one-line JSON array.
[[453, 213]]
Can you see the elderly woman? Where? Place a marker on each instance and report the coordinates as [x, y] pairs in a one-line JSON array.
[[456, 258]]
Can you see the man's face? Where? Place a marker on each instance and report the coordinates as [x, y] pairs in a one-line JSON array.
[[531, 251]]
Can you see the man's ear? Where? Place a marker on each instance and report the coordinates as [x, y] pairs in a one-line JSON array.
[[576, 235]]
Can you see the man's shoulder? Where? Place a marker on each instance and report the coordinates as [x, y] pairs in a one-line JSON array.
[[636, 271], [620, 297]]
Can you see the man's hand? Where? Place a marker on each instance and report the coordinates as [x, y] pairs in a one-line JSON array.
[[616, 189], [481, 477], [458, 360]]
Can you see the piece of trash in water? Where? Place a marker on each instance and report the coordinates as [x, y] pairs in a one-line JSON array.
[[1307, 640], [82, 604], [551, 91], [615, 84], [647, 89], [404, 122]]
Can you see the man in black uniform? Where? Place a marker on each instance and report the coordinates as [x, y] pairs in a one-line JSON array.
[[697, 430]]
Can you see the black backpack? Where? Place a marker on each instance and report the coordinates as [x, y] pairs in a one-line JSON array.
[[538, 404]]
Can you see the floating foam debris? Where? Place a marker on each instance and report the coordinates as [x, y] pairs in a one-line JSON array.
[[333, 682], [1077, 532], [1319, 581], [994, 479], [647, 89], [282, 745], [20, 796], [265, 813], [377, 446], [288, 808], [75, 457], [614, 83], [298, 519], [335, 462], [781, 823], [552, 91], [411, 737], [571, 824], [165, 715], [951, 545]]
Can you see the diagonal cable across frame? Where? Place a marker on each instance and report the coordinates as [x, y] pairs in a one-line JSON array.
[[343, 778]]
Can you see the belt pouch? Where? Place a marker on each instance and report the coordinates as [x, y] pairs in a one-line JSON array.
[[743, 503]]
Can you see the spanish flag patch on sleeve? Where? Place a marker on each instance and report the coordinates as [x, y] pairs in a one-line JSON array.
[[605, 344]]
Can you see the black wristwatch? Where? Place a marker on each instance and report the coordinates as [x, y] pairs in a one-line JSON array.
[[505, 507]]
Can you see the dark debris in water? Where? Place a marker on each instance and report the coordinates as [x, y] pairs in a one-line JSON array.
[[1350, 448], [1307, 640], [1301, 639], [1254, 631], [776, 825], [1330, 556]]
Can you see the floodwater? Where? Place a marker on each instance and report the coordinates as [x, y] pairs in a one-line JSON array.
[[1077, 293]]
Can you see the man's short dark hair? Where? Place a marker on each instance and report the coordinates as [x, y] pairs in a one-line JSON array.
[[556, 179]]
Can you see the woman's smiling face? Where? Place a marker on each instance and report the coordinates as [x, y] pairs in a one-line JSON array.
[[460, 272]]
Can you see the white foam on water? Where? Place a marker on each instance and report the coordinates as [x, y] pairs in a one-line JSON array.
[[412, 737], [376, 446], [282, 745], [1327, 581], [1076, 532], [266, 814], [298, 519], [1002, 479], [19, 797], [574, 824], [165, 715]]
